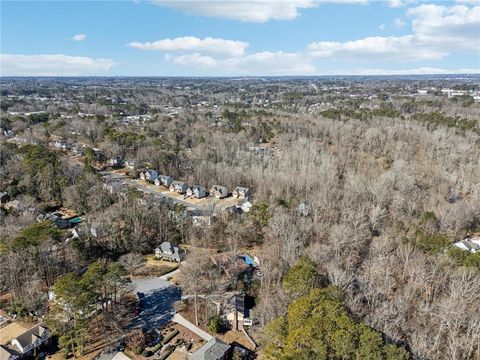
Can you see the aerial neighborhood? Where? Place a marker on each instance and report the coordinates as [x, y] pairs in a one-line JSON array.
[[227, 219]]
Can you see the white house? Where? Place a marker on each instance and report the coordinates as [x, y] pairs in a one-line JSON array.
[[470, 244], [7, 354], [168, 252], [115, 162], [149, 175], [31, 339], [131, 164]]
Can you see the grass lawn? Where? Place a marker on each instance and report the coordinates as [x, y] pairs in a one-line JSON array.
[[154, 267]]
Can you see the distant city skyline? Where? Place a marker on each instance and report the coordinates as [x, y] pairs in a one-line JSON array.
[[233, 38]]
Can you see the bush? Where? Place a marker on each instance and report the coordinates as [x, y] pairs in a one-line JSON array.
[[215, 325], [169, 337], [146, 353]]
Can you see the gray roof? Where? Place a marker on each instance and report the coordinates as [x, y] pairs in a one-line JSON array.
[[215, 349], [30, 336], [5, 353], [241, 189], [168, 250], [179, 183], [237, 302], [471, 245]]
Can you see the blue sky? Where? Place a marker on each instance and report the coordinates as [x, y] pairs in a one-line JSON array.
[[239, 38]]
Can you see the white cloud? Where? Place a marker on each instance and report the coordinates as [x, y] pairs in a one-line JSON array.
[[261, 63], [194, 44], [413, 71], [52, 65], [79, 37], [382, 27], [400, 3], [437, 32], [196, 60], [468, 2], [455, 27], [250, 10], [398, 48], [399, 23]]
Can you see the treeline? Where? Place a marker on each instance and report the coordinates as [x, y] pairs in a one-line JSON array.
[[317, 324], [79, 300]]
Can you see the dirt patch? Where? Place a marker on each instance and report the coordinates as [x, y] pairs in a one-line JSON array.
[[236, 336], [13, 330]]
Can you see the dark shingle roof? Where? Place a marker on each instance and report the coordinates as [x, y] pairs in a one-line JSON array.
[[30, 336], [215, 349]]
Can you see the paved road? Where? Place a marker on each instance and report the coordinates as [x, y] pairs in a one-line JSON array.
[[170, 274], [179, 319], [108, 175], [157, 304]]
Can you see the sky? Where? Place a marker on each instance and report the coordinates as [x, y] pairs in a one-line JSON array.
[[239, 38]]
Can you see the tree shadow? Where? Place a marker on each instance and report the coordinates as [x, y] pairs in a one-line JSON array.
[[156, 308]]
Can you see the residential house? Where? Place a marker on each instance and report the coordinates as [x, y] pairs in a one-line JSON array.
[[219, 191], [179, 187], [115, 162], [233, 266], [60, 144], [113, 187], [165, 180], [149, 175], [196, 191], [238, 315], [62, 223], [7, 354], [98, 231], [304, 209], [78, 149], [200, 217], [12, 205], [31, 340], [470, 244], [241, 192], [8, 133], [214, 349], [131, 164], [245, 206], [167, 251]]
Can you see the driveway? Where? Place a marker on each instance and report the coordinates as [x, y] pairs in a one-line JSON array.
[[179, 319], [156, 302]]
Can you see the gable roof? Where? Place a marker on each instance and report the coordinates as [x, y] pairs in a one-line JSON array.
[[169, 251], [29, 337], [237, 302], [214, 349], [178, 183], [5, 353]]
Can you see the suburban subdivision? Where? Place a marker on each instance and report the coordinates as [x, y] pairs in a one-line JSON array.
[[240, 218]]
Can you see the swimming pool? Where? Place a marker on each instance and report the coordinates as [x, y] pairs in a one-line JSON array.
[[247, 259]]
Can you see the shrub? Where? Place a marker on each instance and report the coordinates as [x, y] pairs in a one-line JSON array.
[[170, 337], [215, 325]]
